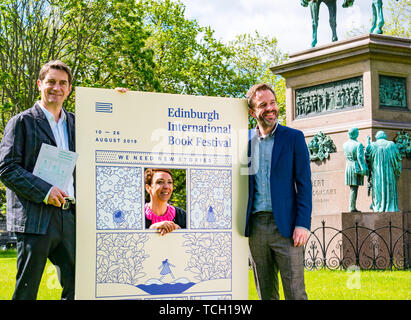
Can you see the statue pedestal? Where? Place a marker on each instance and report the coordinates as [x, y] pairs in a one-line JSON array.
[[346, 84], [373, 240]]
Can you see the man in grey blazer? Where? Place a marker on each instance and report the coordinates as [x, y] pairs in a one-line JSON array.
[[34, 207]]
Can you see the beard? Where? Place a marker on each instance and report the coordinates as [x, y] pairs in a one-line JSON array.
[[267, 123]]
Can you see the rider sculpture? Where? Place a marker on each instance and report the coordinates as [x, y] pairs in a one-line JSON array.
[[377, 16], [332, 9]]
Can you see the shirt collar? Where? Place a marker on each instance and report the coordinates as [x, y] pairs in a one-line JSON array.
[[271, 134], [50, 116]]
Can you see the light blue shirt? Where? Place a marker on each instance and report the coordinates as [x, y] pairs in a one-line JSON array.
[[263, 151], [60, 134]]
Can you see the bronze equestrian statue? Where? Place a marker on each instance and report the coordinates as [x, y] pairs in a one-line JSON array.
[[377, 17], [332, 9]]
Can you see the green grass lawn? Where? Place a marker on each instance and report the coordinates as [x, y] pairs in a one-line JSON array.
[[320, 285], [50, 288], [355, 285]]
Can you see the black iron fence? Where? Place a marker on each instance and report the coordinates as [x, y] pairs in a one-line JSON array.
[[387, 247]]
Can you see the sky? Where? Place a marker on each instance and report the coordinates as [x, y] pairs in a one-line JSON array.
[[286, 20]]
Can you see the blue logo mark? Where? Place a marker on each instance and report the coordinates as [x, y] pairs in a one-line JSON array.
[[104, 107]]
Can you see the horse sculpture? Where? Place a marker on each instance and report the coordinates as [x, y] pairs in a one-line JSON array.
[[332, 9], [377, 17]]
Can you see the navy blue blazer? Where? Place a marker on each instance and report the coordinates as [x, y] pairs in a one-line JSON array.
[[290, 181], [19, 149]]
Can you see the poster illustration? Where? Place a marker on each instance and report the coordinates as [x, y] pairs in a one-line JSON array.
[[118, 137]]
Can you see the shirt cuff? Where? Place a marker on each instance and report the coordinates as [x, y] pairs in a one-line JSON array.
[[46, 199], [302, 228]]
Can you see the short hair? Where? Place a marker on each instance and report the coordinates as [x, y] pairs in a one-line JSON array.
[[149, 174], [57, 65], [381, 135], [254, 89], [353, 132]]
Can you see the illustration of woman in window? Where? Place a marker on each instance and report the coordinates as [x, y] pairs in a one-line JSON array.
[[160, 215]]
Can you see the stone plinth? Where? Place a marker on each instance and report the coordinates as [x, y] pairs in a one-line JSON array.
[[375, 240], [355, 65]]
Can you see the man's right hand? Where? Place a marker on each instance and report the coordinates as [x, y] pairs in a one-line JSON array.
[[56, 197]]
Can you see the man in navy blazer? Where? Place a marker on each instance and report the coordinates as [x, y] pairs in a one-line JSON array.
[[280, 199], [34, 207]]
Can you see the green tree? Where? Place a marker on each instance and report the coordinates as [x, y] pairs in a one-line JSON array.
[[147, 45], [188, 59], [179, 197], [33, 32], [398, 21], [173, 41], [253, 55], [397, 16], [213, 74], [2, 199], [103, 43], [117, 56]]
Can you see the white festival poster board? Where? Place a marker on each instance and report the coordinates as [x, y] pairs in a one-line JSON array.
[[118, 136]]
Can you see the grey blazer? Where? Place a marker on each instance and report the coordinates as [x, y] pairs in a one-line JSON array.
[[20, 146]]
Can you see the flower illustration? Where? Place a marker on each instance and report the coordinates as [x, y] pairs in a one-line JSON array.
[[118, 216], [218, 193]]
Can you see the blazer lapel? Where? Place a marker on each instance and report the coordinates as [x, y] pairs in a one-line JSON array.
[[70, 131], [252, 156], [43, 123], [279, 142]]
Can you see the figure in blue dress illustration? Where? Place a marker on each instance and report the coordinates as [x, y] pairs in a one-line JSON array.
[[157, 286], [165, 269], [210, 215]]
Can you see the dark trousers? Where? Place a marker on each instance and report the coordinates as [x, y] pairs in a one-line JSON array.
[[58, 244], [272, 253]]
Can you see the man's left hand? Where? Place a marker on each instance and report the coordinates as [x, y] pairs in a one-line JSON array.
[[300, 236]]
